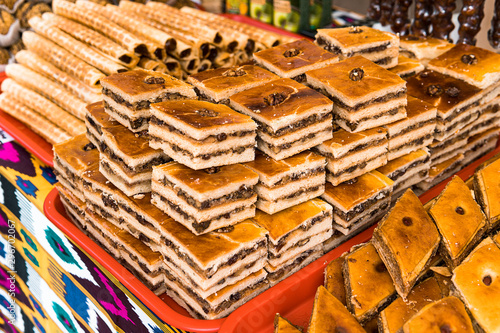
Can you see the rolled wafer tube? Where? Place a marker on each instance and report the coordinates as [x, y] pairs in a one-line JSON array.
[[62, 59], [240, 57], [102, 25], [78, 88], [38, 124], [47, 88], [204, 65], [184, 75], [181, 28], [177, 19], [191, 66], [221, 59], [93, 38], [152, 65], [43, 106], [77, 48]]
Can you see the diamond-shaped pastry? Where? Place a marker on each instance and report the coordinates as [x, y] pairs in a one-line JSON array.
[[334, 278], [487, 190], [406, 239], [281, 325]]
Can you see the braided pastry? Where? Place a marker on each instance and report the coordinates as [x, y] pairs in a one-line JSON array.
[[386, 11], [374, 10], [494, 32], [470, 18], [442, 26], [399, 19], [422, 23]]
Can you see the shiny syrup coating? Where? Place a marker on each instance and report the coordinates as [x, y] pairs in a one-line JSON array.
[[470, 19]]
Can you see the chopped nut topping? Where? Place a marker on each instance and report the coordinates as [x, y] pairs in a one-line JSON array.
[[291, 53], [154, 80], [274, 99], [434, 90], [452, 92], [207, 113], [487, 280], [234, 73], [469, 59], [356, 74], [212, 170], [460, 210], [355, 30], [407, 221]]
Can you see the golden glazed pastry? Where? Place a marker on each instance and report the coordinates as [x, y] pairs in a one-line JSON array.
[[281, 325], [488, 193]]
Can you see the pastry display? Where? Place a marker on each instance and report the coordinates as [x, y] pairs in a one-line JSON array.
[[406, 239], [487, 193], [205, 200], [293, 59], [407, 67], [459, 220], [422, 48], [360, 202], [103, 232], [95, 120], [416, 131], [290, 116], [127, 96], [295, 236], [286, 183], [350, 155], [217, 85], [200, 134], [364, 94], [378, 46], [368, 284], [406, 171]]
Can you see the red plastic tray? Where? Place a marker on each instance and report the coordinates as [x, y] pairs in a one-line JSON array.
[[294, 297]]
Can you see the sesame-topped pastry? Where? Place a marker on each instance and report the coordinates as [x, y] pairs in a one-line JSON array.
[[128, 95], [291, 116], [288, 182], [368, 284], [381, 47], [349, 155], [217, 85], [364, 94], [359, 201], [281, 325], [295, 236], [293, 59], [474, 65], [457, 102], [476, 282], [445, 315], [423, 48], [486, 180], [95, 119], [406, 240], [407, 67], [460, 221], [71, 159], [205, 200], [201, 134]]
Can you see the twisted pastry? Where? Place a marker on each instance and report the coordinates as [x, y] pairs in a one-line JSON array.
[[422, 23], [494, 32], [374, 10], [400, 21], [442, 25], [470, 18]]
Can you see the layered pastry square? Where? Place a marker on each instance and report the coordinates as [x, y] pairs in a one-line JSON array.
[[407, 67], [476, 283], [364, 94], [349, 155], [381, 47], [127, 160], [446, 314], [205, 200], [489, 118], [103, 232], [288, 182], [459, 220], [281, 325], [292, 60], [217, 85], [474, 65], [399, 312], [128, 95], [407, 170], [201, 134], [439, 172], [406, 239], [295, 236], [414, 132], [334, 278], [359, 202], [290, 116], [480, 144], [95, 119], [448, 148], [368, 284], [330, 315], [74, 207], [423, 48], [71, 159], [212, 274], [487, 192], [457, 102]]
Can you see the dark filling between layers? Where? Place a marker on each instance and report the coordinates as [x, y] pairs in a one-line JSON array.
[[466, 120], [143, 105], [298, 193], [360, 147], [70, 177], [288, 145], [408, 75], [413, 127], [231, 261], [416, 142], [400, 172], [305, 227], [360, 208], [455, 113], [199, 226], [311, 120], [218, 137], [69, 203], [244, 192], [177, 149], [295, 176], [206, 98], [138, 275], [383, 99], [134, 123], [144, 267], [353, 168], [137, 216], [282, 271], [93, 124], [108, 168], [336, 50], [353, 125], [422, 174], [384, 61], [147, 166], [300, 78]]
